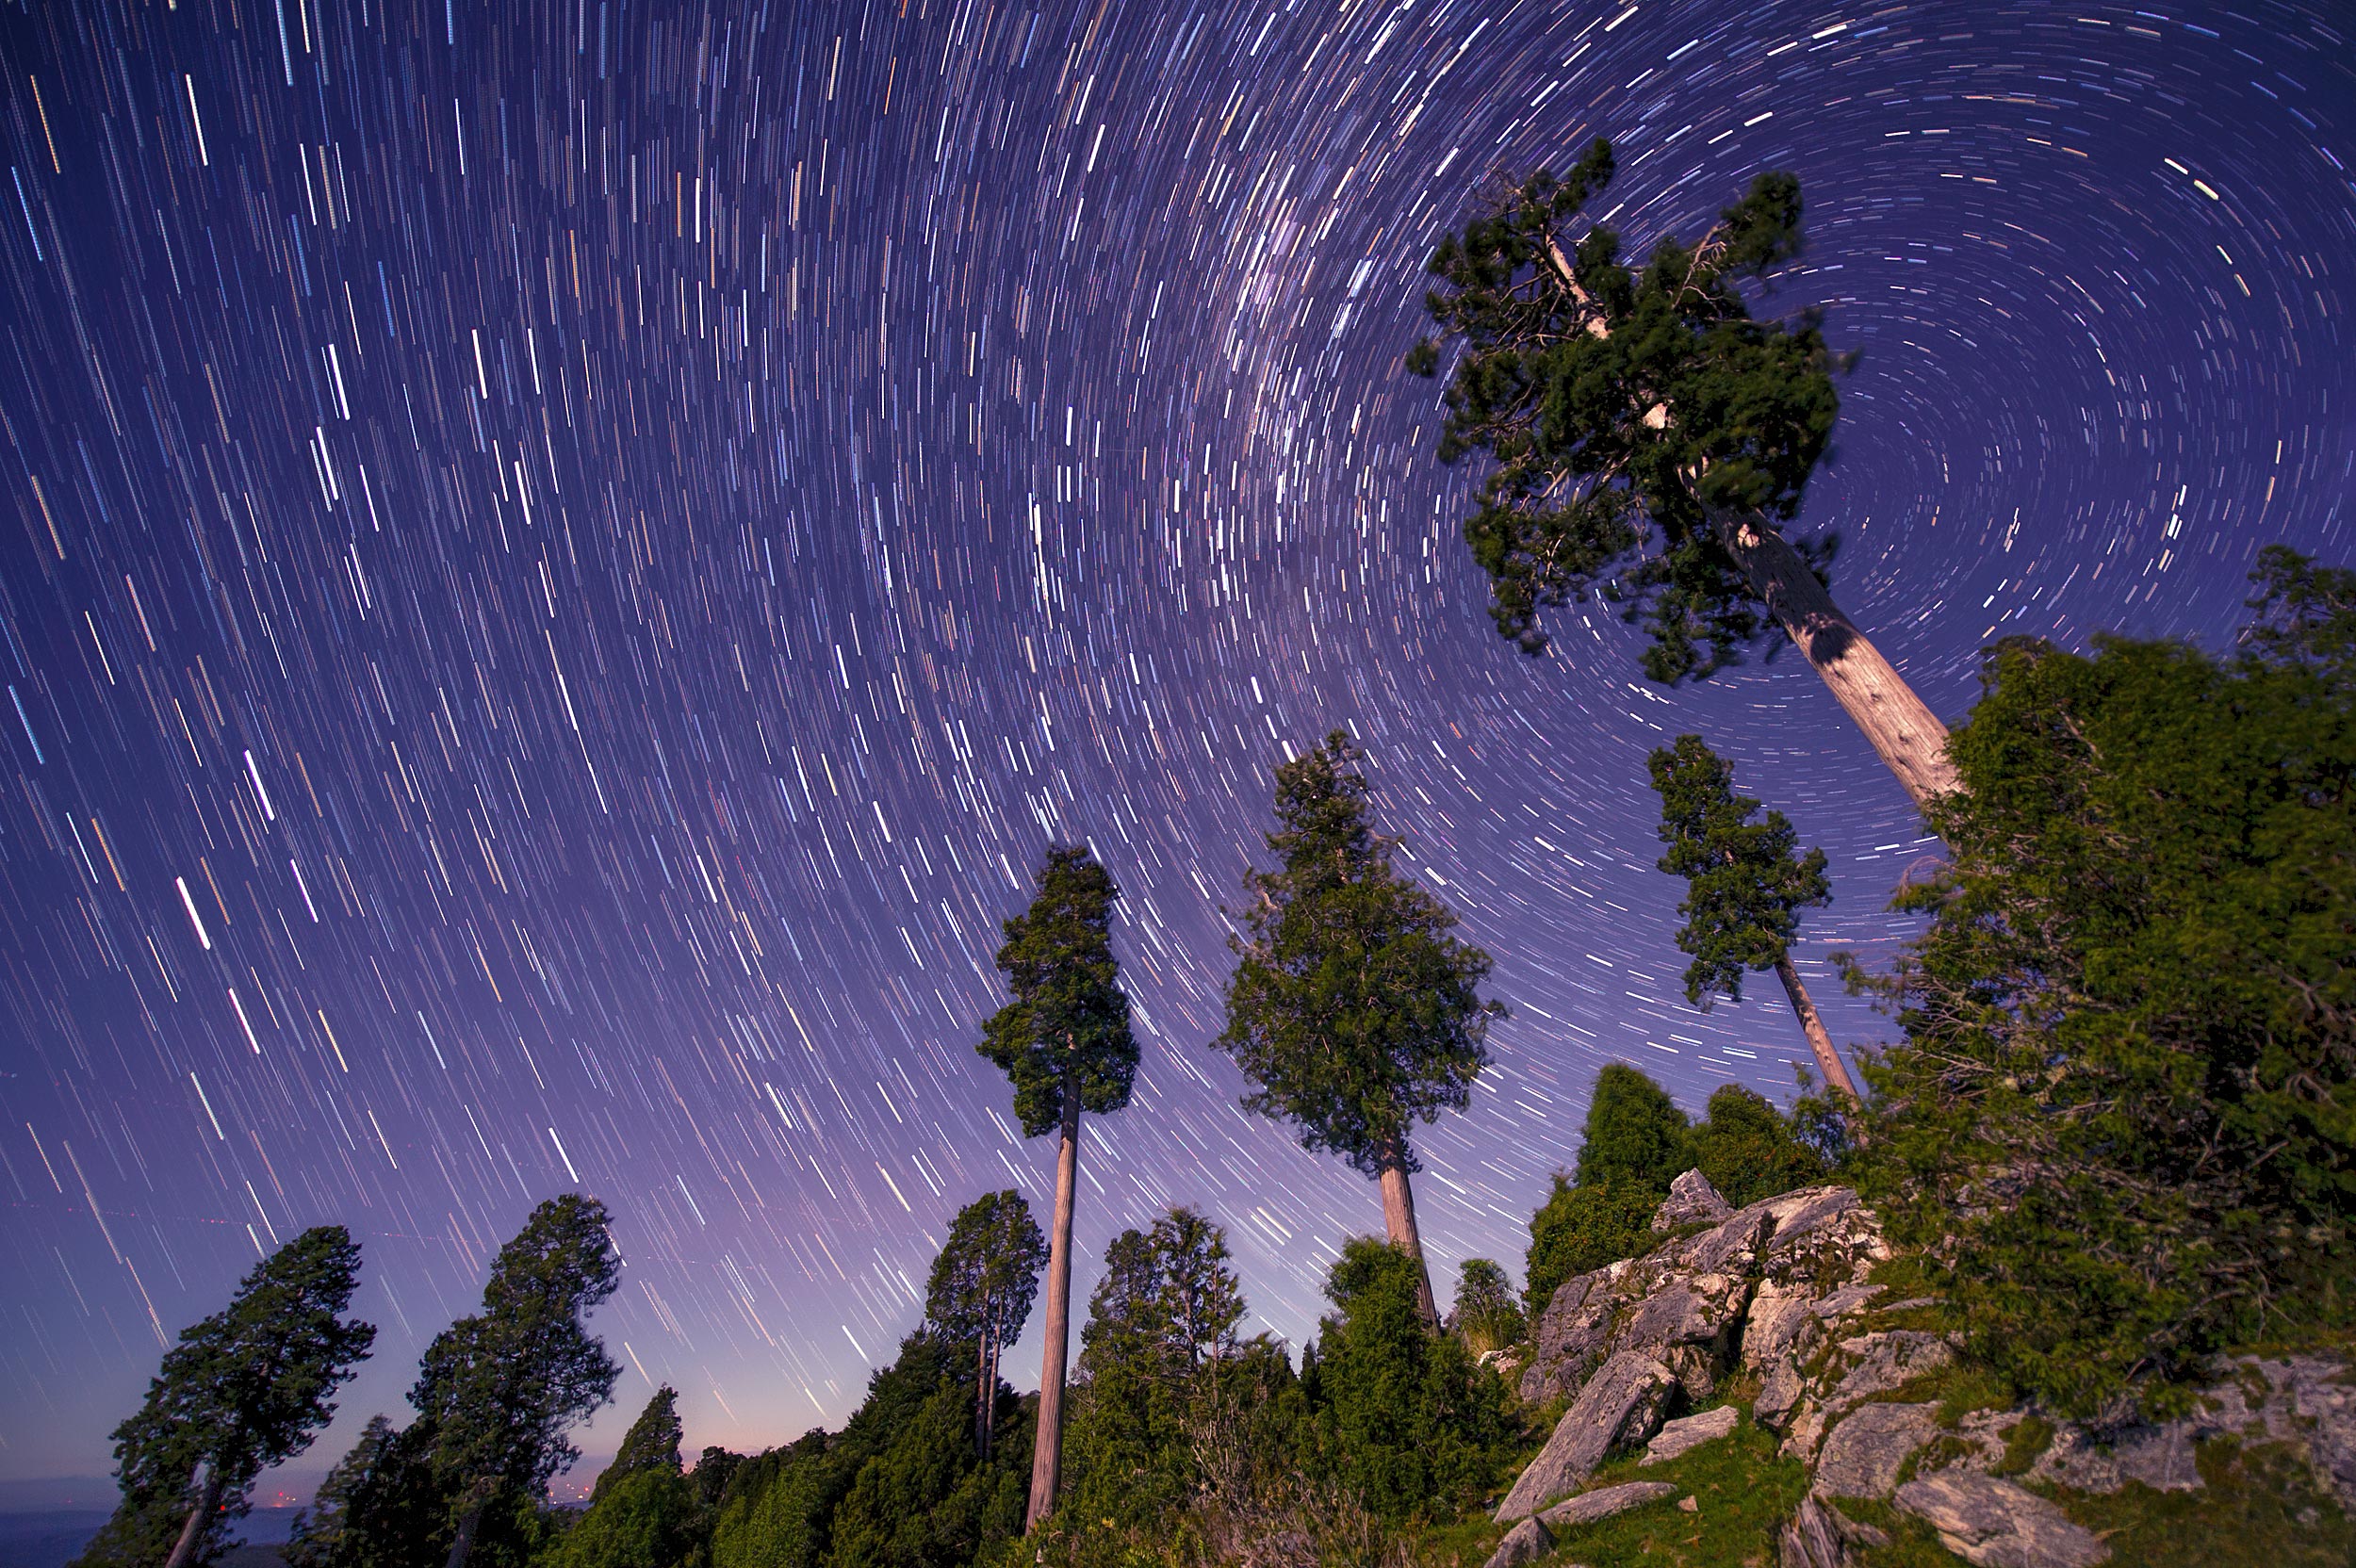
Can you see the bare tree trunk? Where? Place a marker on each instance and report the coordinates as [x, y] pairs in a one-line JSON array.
[[982, 1392], [1908, 736], [1828, 1061], [207, 1503], [1047, 1451], [1398, 1224], [461, 1544]]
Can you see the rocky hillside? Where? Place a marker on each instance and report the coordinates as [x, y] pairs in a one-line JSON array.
[[1774, 1319]]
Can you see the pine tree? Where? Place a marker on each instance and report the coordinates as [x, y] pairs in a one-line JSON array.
[[981, 1290], [1486, 1315], [642, 1513], [243, 1390], [1064, 1044], [1352, 1007], [1634, 1136], [651, 1443], [1648, 436], [1746, 888], [378, 1508], [497, 1391]]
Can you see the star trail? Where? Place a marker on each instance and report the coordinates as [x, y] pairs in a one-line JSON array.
[[564, 561]]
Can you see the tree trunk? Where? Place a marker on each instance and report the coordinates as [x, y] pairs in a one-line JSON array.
[[1047, 1451], [1398, 1224], [1828, 1061], [981, 1397], [207, 1503], [1911, 741], [463, 1543]]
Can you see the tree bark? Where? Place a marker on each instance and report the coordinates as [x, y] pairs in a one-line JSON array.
[[1398, 1224], [461, 1544], [208, 1502], [1828, 1061], [1047, 1452], [1902, 730], [981, 1397]]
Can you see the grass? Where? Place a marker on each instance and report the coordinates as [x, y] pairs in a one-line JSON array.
[[1743, 1489]]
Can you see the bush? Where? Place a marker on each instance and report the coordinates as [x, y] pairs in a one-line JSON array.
[[1749, 1151], [1486, 1316], [1406, 1418], [1635, 1136], [1579, 1229]]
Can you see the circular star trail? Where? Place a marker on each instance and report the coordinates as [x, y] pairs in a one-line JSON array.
[[563, 563]]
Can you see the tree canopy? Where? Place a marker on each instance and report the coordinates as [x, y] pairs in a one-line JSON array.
[[1745, 885], [1351, 1007], [986, 1275], [1066, 1030], [1634, 1135]]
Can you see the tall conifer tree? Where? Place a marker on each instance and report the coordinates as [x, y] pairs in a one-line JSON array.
[[1648, 437], [981, 1290], [1746, 888], [1064, 1044], [1351, 1007]]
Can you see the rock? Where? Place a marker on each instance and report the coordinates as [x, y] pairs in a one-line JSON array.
[[1690, 1432], [1820, 1536], [1681, 1305], [1691, 1200], [1525, 1542], [1778, 1394], [1863, 1454], [1620, 1406], [1689, 1505], [2321, 1396], [1573, 1333], [1994, 1523], [1878, 1363], [1604, 1502]]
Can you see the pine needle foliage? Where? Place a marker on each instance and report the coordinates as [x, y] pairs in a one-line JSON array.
[[1066, 1031], [1351, 1007], [1745, 885], [2124, 1109], [1623, 403]]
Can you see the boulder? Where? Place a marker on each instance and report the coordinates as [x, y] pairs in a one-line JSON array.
[[1604, 1502], [1862, 1456], [1779, 1392], [1691, 1201], [1573, 1333], [1994, 1523], [1820, 1536], [1620, 1406], [1525, 1542], [1689, 1432]]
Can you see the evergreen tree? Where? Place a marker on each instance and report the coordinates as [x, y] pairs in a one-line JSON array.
[[1634, 1135], [715, 1467], [981, 1290], [1648, 436], [1064, 1042], [1486, 1314], [2123, 1102], [378, 1508], [1746, 888], [497, 1391], [642, 1513], [1352, 1007], [1408, 1420], [1581, 1227], [1749, 1151], [243, 1390]]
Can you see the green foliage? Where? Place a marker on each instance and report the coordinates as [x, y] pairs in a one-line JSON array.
[[379, 1507], [900, 1484], [1580, 1229], [715, 1467], [1064, 1038], [1745, 885], [243, 1390], [2128, 1087], [646, 1517], [1625, 407], [651, 1443], [1352, 1007], [981, 1288], [497, 1391], [1406, 1418], [1486, 1315], [1749, 1151], [1634, 1136]]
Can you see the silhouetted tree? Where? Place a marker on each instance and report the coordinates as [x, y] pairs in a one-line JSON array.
[[981, 1290], [642, 1513], [1352, 1007], [1648, 436], [1064, 1042], [243, 1390], [497, 1391], [1744, 889]]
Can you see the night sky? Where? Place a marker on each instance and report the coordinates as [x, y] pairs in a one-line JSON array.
[[563, 561]]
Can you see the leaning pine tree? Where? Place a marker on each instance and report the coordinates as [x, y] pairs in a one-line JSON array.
[[1746, 888], [244, 1390], [981, 1289], [1649, 435], [1064, 1040], [1351, 1007]]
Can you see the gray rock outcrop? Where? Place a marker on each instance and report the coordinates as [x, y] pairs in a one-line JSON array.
[[1690, 1432], [1604, 1502], [1525, 1542], [1691, 1201], [1620, 1406], [1994, 1523], [1862, 1456]]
